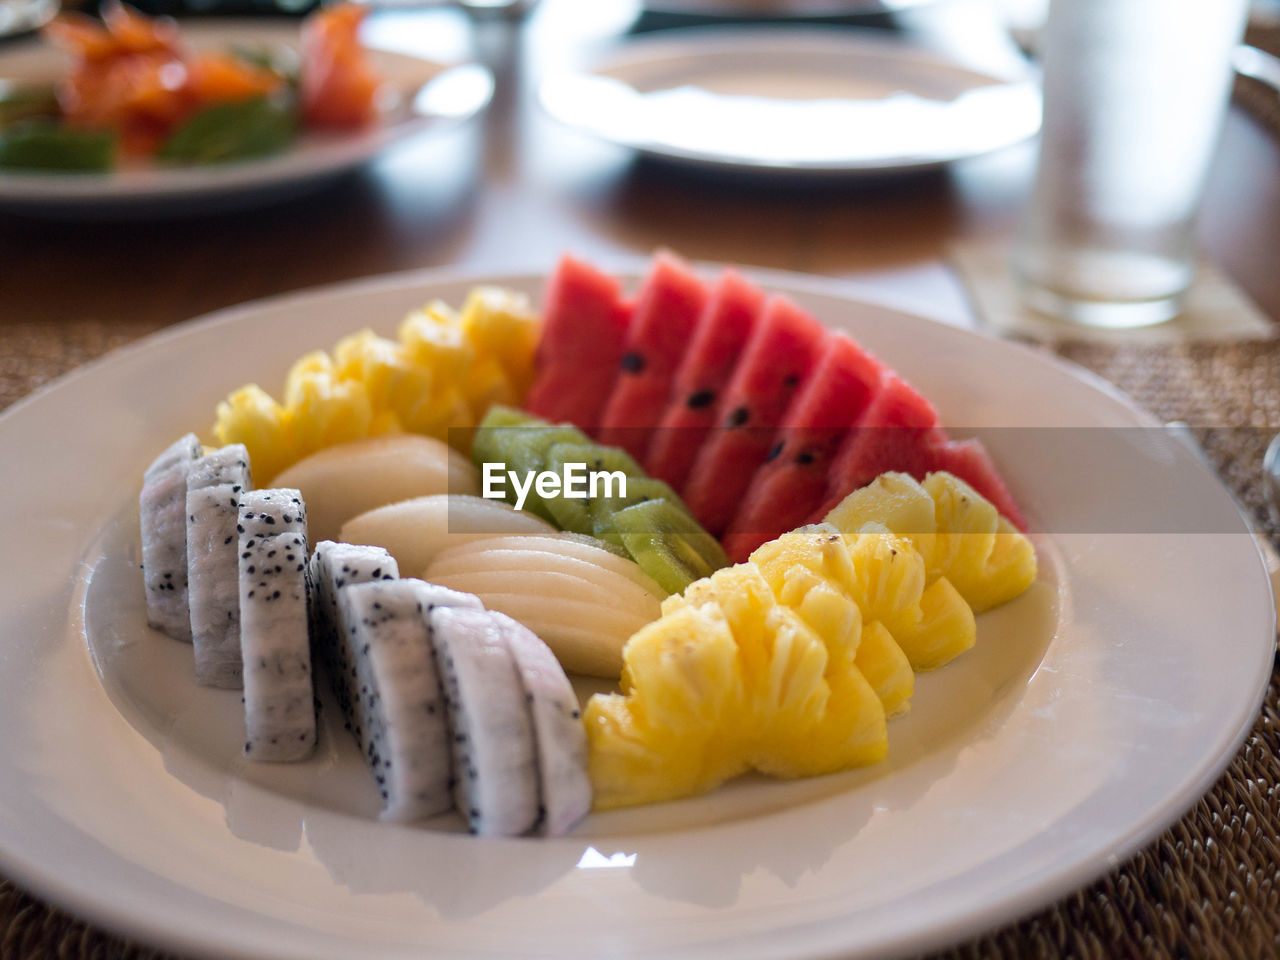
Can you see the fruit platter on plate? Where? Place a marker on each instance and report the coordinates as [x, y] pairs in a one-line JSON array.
[[752, 524], [583, 613]]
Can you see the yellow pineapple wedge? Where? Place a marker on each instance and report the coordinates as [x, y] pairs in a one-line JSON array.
[[930, 621], [959, 533], [805, 570], [503, 325], [675, 730], [250, 416], [984, 555], [725, 681]]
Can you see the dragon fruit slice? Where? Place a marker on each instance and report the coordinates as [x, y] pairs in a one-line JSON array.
[[495, 753], [215, 484], [162, 512], [334, 566], [279, 701], [400, 707], [229, 464], [557, 728], [271, 512]]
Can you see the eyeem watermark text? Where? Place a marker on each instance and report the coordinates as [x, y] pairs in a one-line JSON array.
[[575, 482]]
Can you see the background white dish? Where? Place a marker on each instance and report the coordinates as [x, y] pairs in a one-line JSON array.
[[811, 100], [433, 97], [1093, 711], [780, 8]]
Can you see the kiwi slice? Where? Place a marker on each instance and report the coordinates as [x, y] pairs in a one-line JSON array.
[[484, 445], [639, 489], [667, 543], [573, 513], [524, 449]]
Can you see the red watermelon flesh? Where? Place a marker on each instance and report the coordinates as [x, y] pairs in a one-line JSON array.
[[722, 331], [584, 336], [775, 364], [670, 302], [792, 483], [969, 460], [898, 431]]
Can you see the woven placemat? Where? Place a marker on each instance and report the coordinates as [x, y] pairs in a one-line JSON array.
[[1210, 887]]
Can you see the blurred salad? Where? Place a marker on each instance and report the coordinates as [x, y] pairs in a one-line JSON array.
[[134, 91]]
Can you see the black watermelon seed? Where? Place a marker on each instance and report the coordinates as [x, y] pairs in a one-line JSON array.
[[632, 363], [703, 398], [775, 452], [738, 417], [791, 381], [804, 458]]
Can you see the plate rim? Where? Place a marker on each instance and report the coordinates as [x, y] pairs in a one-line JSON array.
[[52, 887], [628, 50]]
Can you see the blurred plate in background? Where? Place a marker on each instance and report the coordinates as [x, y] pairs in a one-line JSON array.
[[813, 100], [779, 8], [432, 97]]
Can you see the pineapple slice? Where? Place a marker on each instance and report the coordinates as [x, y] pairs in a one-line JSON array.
[[729, 680], [959, 533], [323, 410], [886, 668], [674, 730], [808, 571], [393, 381], [931, 623], [815, 715], [433, 337], [984, 555], [502, 324], [251, 417], [486, 384]]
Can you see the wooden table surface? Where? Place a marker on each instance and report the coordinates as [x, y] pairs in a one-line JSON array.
[[514, 189]]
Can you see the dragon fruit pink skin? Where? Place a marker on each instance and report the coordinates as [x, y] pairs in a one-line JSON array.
[[162, 513]]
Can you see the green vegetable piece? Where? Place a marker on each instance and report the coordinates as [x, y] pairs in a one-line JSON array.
[[280, 59], [27, 101], [48, 146], [666, 545], [232, 131]]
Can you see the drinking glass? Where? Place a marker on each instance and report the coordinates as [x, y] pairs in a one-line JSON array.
[[1134, 95]]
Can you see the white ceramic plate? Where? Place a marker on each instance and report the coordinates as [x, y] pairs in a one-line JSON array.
[[1093, 711], [779, 8], [799, 101], [430, 97]]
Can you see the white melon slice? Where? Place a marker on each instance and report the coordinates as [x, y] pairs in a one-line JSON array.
[[344, 481], [569, 545], [584, 611], [414, 531]]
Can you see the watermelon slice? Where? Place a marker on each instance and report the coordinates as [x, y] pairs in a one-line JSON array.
[[969, 460], [670, 302], [775, 364], [793, 482], [584, 336], [898, 431], [722, 331]]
